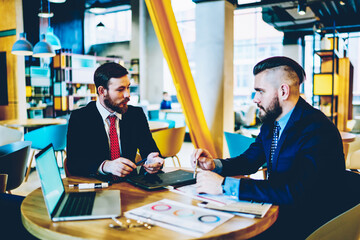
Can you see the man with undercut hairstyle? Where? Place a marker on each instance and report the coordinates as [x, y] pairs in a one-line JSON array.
[[303, 151]]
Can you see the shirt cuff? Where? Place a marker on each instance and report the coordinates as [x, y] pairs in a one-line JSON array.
[[100, 169], [231, 187], [218, 166]]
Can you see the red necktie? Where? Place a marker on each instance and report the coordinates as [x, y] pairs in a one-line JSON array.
[[114, 142]]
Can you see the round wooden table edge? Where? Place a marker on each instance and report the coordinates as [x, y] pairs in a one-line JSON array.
[[244, 233]]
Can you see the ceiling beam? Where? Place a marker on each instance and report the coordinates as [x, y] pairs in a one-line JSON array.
[[326, 8], [272, 3], [109, 4], [353, 4], [334, 7]]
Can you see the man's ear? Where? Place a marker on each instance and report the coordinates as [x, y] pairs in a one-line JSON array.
[[284, 91], [101, 90]]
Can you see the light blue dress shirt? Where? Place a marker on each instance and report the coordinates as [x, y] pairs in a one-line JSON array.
[[231, 185]]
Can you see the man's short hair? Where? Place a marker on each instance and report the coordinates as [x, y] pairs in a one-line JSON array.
[[278, 61], [106, 71]]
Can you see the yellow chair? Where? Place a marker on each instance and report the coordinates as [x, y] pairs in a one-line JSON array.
[[353, 155], [169, 142], [66, 170], [344, 226]]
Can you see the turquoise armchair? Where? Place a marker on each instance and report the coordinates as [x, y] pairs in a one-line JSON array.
[[41, 137], [237, 144]]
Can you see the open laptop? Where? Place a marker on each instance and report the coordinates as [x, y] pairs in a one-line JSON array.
[[61, 205]]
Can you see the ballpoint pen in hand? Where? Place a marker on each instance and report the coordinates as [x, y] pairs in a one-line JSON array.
[[195, 169], [141, 161]]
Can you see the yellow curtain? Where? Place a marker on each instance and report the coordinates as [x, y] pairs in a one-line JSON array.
[[163, 19]]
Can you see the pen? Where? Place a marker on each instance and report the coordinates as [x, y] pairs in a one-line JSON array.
[[89, 185], [141, 161], [195, 169]]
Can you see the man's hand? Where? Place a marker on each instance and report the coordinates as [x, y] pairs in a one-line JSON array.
[[205, 160], [120, 167], [209, 182], [153, 163]]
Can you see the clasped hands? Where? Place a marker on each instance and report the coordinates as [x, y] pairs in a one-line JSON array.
[[206, 180], [122, 167]]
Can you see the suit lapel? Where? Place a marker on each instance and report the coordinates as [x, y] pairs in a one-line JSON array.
[[266, 139], [122, 127], [98, 131], [125, 135], [295, 116]]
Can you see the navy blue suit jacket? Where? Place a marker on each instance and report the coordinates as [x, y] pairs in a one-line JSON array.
[[307, 170], [88, 144]]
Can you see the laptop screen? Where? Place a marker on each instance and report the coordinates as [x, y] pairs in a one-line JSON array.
[[50, 177]]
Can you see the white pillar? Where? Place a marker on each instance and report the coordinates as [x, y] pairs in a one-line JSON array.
[[293, 51], [20, 67], [151, 59], [135, 34], [214, 50]]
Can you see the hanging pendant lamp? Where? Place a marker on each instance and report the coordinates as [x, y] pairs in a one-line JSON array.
[[57, 1], [302, 7], [22, 46], [97, 8], [52, 39], [43, 48], [44, 11]]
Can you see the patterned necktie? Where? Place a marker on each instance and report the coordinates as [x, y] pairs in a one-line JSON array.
[[114, 142], [274, 143]]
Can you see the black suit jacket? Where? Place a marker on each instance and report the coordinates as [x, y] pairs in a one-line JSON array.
[[88, 144], [308, 169]]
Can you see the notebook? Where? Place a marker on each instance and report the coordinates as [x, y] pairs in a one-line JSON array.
[[161, 180], [61, 206]]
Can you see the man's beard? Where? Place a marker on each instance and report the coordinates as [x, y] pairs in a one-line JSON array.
[[116, 107], [272, 112]]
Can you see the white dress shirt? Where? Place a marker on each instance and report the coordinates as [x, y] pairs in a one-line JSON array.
[[104, 115]]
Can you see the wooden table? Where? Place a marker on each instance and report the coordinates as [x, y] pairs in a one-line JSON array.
[[37, 221], [347, 138], [157, 126], [32, 123], [173, 110]]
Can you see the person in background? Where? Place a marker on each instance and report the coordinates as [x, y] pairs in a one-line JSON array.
[[303, 151], [166, 102], [104, 136]]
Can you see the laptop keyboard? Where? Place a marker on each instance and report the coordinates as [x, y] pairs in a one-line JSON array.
[[78, 204]]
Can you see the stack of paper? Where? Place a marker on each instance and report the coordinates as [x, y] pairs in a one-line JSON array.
[[225, 203]]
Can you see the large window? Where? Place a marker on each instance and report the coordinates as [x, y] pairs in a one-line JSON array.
[[354, 56], [184, 11], [254, 40], [117, 28]]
